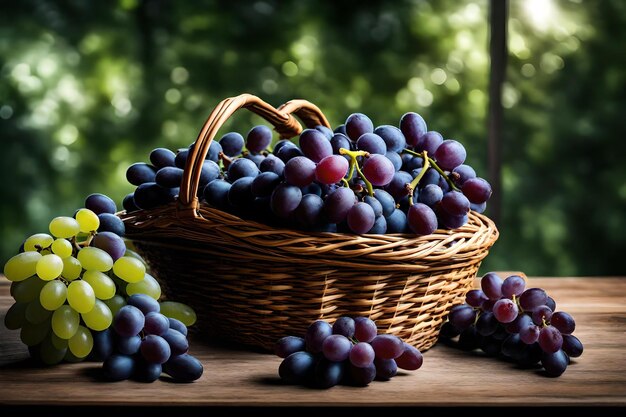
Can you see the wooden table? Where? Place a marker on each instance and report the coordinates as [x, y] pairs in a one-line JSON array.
[[448, 377]]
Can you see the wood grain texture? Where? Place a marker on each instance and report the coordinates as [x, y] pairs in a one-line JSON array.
[[236, 377]]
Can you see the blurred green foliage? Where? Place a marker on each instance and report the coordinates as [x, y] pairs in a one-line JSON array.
[[89, 87]]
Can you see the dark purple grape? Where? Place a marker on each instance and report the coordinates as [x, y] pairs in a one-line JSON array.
[[358, 124], [462, 173], [361, 377], [210, 171], [387, 346], [259, 138], [411, 358], [118, 367], [178, 325], [393, 137], [429, 142], [102, 345], [214, 152], [340, 129], [386, 201], [361, 218], [288, 345], [156, 323], [513, 347], [344, 326], [513, 285], [100, 203], [397, 187], [430, 195], [477, 190], [241, 168], [448, 331], [144, 303], [488, 305], [111, 223], [129, 203], [110, 243], [374, 204], [563, 321], [150, 195], [572, 346], [372, 143], [541, 314], [411, 163], [422, 219], [283, 143], [285, 199], [155, 349], [475, 298], [310, 211], [339, 141], [264, 184], [216, 193], [490, 346], [380, 226], [362, 355], [140, 173], [505, 310], [532, 298], [161, 157], [478, 208], [315, 145], [450, 154], [385, 368], [555, 363], [232, 144], [462, 316], [364, 329], [183, 368], [316, 333], [331, 169], [169, 177], [469, 339], [336, 348], [128, 321], [338, 203], [146, 371], [491, 285], [413, 127], [297, 368], [455, 204], [551, 303], [395, 159], [272, 164], [328, 373], [128, 345], [397, 222], [378, 170], [177, 341], [529, 334], [325, 130], [522, 320], [487, 324], [550, 339]]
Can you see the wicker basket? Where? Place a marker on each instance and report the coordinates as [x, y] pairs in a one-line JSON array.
[[252, 283]]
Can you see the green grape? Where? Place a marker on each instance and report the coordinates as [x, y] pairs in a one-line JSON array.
[[64, 227], [27, 290], [80, 296], [132, 254], [115, 303], [88, 221], [179, 311], [43, 240], [129, 269], [35, 313], [16, 316], [33, 334], [94, 259], [53, 295], [99, 318], [148, 286], [103, 286], [57, 341], [49, 267], [62, 248], [65, 322], [71, 268], [22, 266], [49, 353], [81, 343]]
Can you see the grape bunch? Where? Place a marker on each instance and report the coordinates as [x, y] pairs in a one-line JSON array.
[[142, 343], [350, 352], [356, 179], [68, 284], [504, 318]]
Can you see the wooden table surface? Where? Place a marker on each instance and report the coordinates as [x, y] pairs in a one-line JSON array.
[[235, 377]]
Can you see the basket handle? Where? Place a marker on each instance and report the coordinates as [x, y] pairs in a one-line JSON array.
[[282, 120]]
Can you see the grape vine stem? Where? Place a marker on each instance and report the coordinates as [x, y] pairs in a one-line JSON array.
[[434, 165], [355, 165]]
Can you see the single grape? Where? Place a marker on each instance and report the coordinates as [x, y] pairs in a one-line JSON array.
[[285, 199], [232, 144], [514, 347], [413, 127], [111, 244], [240, 193], [572, 346], [81, 343], [450, 154], [316, 333], [160, 157], [386, 201], [180, 160], [310, 211], [344, 326], [372, 143], [169, 177], [62, 248], [210, 171], [505, 310], [475, 298], [178, 326], [15, 316], [491, 285], [102, 345], [387, 346], [272, 164], [361, 218], [338, 203], [297, 368], [541, 314], [49, 267], [550, 339], [88, 221], [50, 354], [462, 173], [325, 131], [128, 345], [397, 222], [184, 368], [362, 355], [103, 286], [64, 227], [395, 159], [339, 141], [37, 242], [358, 124], [128, 321], [28, 290], [288, 345], [378, 170], [300, 171], [522, 321], [129, 269], [264, 184], [551, 303], [36, 313], [129, 203], [555, 363], [513, 285], [397, 187], [477, 190], [241, 168], [532, 298], [94, 259], [563, 321], [179, 311], [288, 152], [177, 341], [455, 203], [216, 193], [147, 372], [331, 169], [156, 323], [361, 377], [140, 173], [462, 316], [259, 138], [53, 295], [214, 152], [328, 373], [422, 219], [529, 334], [385, 368], [118, 367], [65, 322], [431, 195], [365, 330], [148, 286], [144, 302], [478, 208], [393, 137], [81, 296], [411, 358], [315, 145], [115, 303], [336, 348], [487, 324]]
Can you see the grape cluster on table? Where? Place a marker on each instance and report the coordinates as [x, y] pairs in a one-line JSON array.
[[349, 352], [69, 284], [504, 318], [357, 179]]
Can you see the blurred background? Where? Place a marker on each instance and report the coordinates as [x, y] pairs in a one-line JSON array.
[[89, 87]]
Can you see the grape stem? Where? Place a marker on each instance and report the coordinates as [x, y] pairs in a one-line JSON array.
[[355, 165], [417, 179], [434, 165]]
